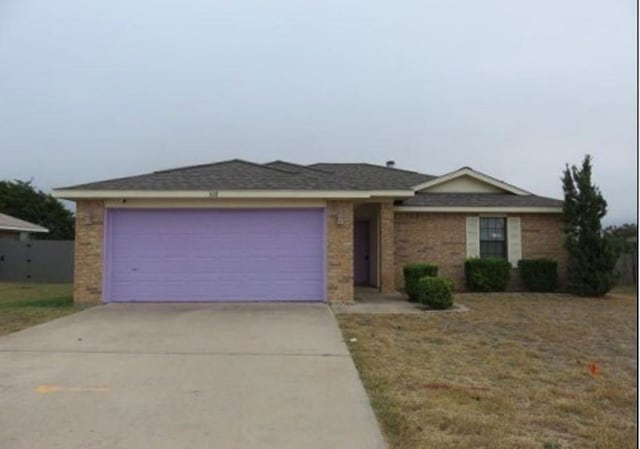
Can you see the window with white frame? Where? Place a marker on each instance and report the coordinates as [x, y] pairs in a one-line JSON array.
[[493, 237]]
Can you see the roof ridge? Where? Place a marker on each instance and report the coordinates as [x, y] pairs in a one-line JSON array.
[[119, 178], [186, 167], [171, 170], [227, 161], [374, 165], [335, 178], [397, 169], [298, 165], [255, 164]]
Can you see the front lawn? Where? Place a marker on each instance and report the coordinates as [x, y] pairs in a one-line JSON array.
[[516, 371], [27, 304], [628, 290]]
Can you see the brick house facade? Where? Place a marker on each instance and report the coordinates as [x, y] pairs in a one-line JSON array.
[[439, 238], [414, 229]]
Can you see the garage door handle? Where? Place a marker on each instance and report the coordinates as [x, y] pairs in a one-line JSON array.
[[135, 269]]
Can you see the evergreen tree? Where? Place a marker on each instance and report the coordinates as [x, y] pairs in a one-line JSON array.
[[21, 200], [592, 255]]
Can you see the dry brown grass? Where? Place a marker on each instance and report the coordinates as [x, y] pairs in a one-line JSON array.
[[513, 372]]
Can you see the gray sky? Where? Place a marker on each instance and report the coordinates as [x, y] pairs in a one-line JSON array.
[[108, 88]]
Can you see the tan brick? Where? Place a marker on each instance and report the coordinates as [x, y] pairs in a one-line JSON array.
[[542, 236], [441, 239], [434, 238], [339, 251], [87, 284], [387, 265]]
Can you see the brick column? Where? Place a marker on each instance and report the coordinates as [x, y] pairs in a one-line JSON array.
[[339, 251], [87, 278], [387, 265]]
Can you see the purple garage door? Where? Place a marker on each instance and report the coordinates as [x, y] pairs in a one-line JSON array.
[[214, 255]]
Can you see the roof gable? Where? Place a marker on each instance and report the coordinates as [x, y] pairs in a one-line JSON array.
[[467, 180]]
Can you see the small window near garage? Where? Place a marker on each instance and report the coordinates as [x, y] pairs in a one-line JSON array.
[[493, 237]]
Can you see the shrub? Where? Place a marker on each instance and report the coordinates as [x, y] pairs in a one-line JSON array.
[[412, 274], [435, 292], [539, 275], [487, 275]]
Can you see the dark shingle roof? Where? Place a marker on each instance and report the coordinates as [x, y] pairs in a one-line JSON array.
[[237, 174], [228, 175], [480, 200], [374, 177], [295, 168]]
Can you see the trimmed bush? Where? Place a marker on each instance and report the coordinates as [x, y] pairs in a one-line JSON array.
[[487, 275], [435, 292], [539, 275], [412, 274]]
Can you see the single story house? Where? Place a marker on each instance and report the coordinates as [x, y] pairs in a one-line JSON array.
[[13, 228], [238, 230]]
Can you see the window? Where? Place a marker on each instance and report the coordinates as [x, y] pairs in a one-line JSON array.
[[493, 239]]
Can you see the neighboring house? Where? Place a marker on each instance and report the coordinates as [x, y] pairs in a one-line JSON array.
[[13, 228], [237, 230]]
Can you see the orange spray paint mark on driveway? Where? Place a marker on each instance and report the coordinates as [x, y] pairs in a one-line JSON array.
[[46, 389]]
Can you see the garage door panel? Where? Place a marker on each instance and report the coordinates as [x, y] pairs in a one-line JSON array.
[[220, 276], [215, 255], [134, 268], [198, 290]]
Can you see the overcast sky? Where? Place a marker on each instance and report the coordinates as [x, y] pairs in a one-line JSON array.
[[107, 88]]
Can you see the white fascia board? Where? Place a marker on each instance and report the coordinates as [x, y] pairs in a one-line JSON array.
[[164, 194], [481, 210], [474, 174], [21, 229], [178, 203], [392, 193], [322, 194], [100, 194]]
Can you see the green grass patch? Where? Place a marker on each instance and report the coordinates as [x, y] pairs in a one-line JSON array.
[[628, 290], [58, 301], [27, 304]]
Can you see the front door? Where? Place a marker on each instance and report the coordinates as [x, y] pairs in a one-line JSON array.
[[361, 252]]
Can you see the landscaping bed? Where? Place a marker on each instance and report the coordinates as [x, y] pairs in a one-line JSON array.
[[544, 371]]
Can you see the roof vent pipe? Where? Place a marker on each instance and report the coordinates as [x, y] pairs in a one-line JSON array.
[[391, 164]]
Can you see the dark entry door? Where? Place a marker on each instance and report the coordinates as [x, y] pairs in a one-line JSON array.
[[361, 252]]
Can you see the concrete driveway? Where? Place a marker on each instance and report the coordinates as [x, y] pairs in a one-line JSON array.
[[184, 376]]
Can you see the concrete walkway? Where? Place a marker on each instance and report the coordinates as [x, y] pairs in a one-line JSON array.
[[184, 376]]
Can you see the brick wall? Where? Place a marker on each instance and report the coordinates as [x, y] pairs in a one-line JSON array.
[[339, 251], [542, 236], [387, 250], [87, 286], [441, 239], [434, 238]]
